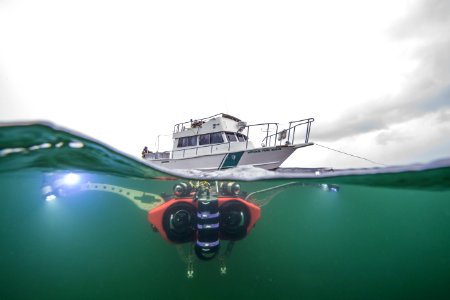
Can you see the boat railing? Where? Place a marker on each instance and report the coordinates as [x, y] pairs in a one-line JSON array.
[[196, 148], [246, 130], [182, 126], [289, 133], [157, 155]]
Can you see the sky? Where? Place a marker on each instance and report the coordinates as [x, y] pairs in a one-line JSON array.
[[375, 75]]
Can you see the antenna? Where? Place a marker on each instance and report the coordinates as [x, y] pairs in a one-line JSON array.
[[157, 141]]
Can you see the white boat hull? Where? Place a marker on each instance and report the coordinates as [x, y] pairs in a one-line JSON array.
[[267, 158]]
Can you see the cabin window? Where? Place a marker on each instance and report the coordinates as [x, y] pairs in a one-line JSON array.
[[204, 139], [241, 137], [188, 141], [210, 138], [231, 137], [216, 138]]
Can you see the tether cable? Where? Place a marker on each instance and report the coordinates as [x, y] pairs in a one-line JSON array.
[[374, 162]]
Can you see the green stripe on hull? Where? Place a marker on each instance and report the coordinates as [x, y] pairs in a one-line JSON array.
[[231, 160]]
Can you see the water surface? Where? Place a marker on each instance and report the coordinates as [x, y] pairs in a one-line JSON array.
[[385, 234]]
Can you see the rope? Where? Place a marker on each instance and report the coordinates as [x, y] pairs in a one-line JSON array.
[[275, 189], [374, 162]]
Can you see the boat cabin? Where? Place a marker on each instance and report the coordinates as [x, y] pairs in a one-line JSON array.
[[219, 133]]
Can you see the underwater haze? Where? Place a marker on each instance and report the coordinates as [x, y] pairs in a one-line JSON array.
[[356, 234]]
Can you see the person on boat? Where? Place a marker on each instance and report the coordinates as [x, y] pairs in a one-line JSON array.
[[145, 151]]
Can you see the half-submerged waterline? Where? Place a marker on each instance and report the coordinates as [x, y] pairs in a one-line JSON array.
[[329, 235]]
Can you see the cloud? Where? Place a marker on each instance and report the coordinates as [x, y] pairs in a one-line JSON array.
[[427, 18], [423, 36], [386, 137]]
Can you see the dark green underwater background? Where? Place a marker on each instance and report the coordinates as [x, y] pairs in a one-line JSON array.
[[382, 236]]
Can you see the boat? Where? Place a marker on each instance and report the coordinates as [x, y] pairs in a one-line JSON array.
[[223, 141]]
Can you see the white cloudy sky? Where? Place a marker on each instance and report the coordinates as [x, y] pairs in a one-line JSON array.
[[375, 75]]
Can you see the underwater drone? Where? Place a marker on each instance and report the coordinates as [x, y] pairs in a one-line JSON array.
[[198, 214], [203, 216]]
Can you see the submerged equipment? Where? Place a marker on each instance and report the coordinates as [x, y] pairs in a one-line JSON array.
[[203, 217], [197, 215], [207, 242]]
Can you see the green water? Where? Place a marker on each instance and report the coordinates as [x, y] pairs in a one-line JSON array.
[[382, 236]]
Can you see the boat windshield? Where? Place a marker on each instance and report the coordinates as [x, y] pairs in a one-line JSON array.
[[210, 138], [241, 137], [231, 137], [188, 141], [216, 138], [204, 139]]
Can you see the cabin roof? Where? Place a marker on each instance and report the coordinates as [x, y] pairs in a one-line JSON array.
[[230, 117], [182, 126]]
